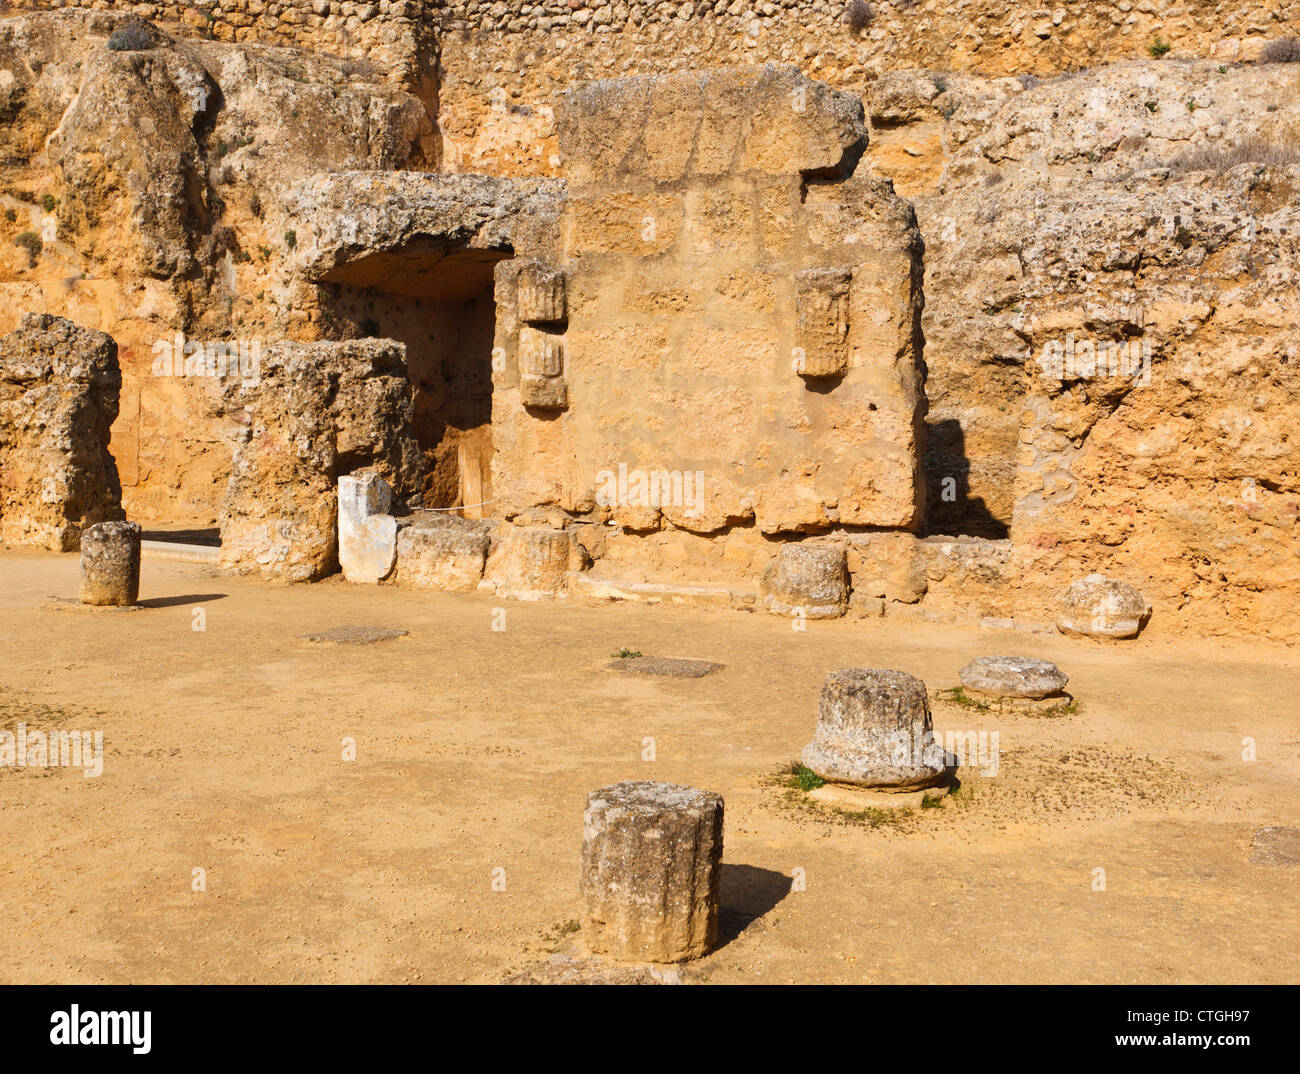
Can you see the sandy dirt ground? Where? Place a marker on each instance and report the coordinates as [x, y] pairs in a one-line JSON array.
[[475, 749]]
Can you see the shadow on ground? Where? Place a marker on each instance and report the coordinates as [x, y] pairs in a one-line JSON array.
[[748, 893], [176, 602]]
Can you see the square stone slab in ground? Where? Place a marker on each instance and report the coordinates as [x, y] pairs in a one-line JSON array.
[[1276, 846], [663, 665]]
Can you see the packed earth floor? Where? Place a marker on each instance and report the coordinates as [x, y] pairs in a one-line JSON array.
[[1117, 843]]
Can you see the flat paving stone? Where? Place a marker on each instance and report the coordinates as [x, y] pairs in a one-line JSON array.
[[354, 635], [664, 665], [1276, 846]]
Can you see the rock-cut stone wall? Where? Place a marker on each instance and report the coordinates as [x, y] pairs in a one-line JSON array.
[[395, 35]]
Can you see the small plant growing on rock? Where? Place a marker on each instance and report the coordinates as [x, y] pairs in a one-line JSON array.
[[291, 239], [858, 16], [11, 215], [1158, 48], [31, 242], [1283, 50], [48, 202], [132, 38], [621, 654]]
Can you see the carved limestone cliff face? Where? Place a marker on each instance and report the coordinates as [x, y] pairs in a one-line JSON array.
[[701, 326], [148, 184], [1110, 281]]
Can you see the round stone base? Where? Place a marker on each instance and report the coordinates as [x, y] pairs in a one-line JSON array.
[[1062, 704], [860, 772], [859, 798]]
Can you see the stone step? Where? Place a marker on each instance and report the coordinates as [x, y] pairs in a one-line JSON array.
[[180, 553], [582, 584]]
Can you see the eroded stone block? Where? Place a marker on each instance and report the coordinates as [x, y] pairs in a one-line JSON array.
[[541, 354], [542, 294], [447, 555], [59, 389], [651, 867], [822, 322], [544, 393]]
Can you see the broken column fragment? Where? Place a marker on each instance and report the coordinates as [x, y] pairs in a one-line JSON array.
[[651, 866], [110, 564], [1101, 607], [1013, 676], [531, 562], [807, 581], [874, 730]]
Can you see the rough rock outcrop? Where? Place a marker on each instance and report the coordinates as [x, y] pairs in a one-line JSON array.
[[150, 181], [1109, 281], [316, 411], [59, 387]]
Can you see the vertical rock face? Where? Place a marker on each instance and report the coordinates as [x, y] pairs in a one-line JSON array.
[[316, 412], [874, 730], [59, 388], [110, 564], [651, 867]]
